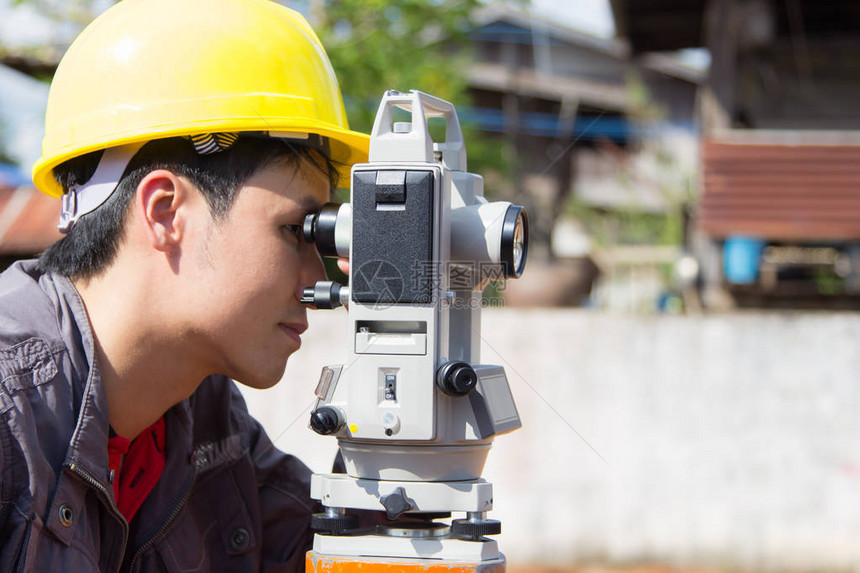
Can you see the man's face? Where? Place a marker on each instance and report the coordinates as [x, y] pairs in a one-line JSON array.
[[250, 269]]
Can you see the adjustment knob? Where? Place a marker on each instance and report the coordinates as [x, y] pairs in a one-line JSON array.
[[333, 523], [327, 420], [474, 530], [456, 378], [396, 503]]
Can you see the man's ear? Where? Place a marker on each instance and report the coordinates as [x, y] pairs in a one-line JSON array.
[[162, 199]]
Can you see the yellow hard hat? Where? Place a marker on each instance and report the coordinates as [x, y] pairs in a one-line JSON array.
[[149, 69]]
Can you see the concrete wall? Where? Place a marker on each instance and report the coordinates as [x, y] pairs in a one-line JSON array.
[[725, 442]]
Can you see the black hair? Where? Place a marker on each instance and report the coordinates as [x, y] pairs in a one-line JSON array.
[[92, 243]]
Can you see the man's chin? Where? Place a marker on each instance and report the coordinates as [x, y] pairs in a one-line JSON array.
[[258, 384], [261, 380]]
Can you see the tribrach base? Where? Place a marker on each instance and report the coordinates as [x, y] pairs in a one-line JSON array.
[[340, 490], [317, 563], [426, 550]]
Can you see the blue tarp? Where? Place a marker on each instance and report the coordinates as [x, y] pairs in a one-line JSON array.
[[22, 111], [12, 176]]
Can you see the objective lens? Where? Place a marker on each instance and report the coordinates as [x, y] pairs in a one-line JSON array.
[[519, 242], [515, 241]]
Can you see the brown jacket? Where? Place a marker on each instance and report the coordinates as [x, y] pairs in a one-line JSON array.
[[227, 500]]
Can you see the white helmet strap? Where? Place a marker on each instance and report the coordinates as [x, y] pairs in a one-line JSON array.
[[85, 198]]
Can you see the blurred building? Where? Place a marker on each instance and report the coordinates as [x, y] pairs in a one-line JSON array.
[[28, 223], [584, 124], [778, 223]]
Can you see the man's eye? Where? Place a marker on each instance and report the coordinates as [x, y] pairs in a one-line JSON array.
[[295, 230]]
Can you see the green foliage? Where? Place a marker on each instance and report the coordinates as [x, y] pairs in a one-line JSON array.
[[4, 154], [643, 108], [628, 227], [491, 157], [376, 45], [630, 224], [827, 282]]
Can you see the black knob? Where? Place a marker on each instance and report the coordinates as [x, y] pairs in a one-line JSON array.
[[456, 378], [325, 294], [474, 530], [396, 503], [326, 420], [333, 524]]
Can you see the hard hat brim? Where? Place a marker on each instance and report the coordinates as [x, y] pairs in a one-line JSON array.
[[346, 147]]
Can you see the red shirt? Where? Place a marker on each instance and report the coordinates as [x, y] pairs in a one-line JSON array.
[[135, 466]]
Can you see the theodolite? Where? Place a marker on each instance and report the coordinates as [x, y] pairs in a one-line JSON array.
[[413, 409]]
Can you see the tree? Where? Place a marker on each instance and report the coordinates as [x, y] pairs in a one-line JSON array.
[[376, 45], [63, 20]]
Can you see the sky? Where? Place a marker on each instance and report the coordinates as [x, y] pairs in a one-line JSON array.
[[23, 25], [593, 16], [20, 26]]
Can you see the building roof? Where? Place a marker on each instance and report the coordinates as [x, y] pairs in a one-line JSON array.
[[568, 63], [668, 25], [28, 221], [659, 25], [782, 185], [491, 22]]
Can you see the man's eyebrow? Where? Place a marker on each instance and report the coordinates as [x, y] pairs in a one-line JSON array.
[[310, 204]]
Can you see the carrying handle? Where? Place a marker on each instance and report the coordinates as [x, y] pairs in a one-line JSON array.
[[390, 141]]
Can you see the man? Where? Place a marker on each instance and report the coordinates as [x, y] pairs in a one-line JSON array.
[[187, 140]]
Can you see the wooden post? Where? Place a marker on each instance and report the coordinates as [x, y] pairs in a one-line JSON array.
[[717, 99]]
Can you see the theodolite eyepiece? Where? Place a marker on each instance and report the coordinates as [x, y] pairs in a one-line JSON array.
[[319, 228]]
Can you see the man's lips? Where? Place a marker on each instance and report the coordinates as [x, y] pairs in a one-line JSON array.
[[294, 330]]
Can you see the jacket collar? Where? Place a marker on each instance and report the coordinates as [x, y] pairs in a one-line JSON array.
[[88, 445]]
